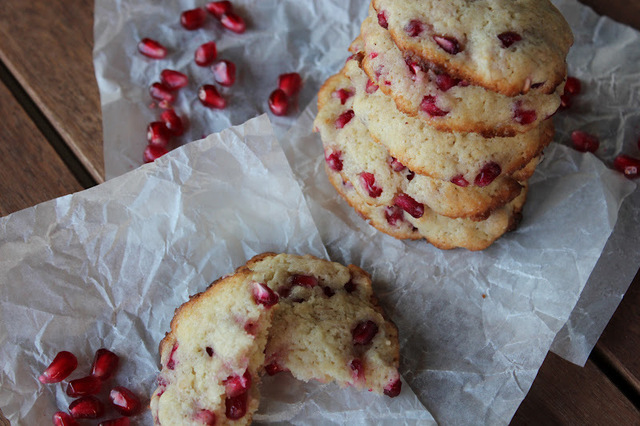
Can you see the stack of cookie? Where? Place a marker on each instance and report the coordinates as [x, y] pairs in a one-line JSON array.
[[434, 125]]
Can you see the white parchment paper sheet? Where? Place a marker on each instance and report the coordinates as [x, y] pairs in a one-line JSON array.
[[106, 267]]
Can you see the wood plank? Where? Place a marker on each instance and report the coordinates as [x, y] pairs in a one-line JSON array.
[[30, 169], [47, 46], [565, 394]]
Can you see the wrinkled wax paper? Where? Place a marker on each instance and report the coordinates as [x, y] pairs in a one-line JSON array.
[[108, 266]]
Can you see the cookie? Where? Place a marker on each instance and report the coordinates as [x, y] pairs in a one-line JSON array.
[[214, 354], [507, 46], [447, 103], [463, 158]]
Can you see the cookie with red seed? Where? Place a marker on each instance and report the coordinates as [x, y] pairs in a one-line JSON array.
[[212, 358], [507, 46], [448, 156], [447, 103]]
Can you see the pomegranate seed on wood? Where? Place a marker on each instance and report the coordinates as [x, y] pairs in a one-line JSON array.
[[161, 92], [334, 160], [448, 44], [173, 79], [86, 407], [224, 72], [364, 332], [344, 118], [343, 95], [236, 407], [89, 385], [63, 419], [152, 49], [124, 401], [193, 19], [382, 19], [572, 86], [209, 97], [205, 417], [508, 38], [153, 152], [206, 53], [409, 205], [488, 173], [236, 385], [104, 364], [219, 8], [233, 22], [414, 28], [158, 134], [393, 389], [460, 181], [628, 165], [263, 295], [428, 105], [278, 102], [62, 365], [121, 421], [290, 83], [584, 142], [173, 122], [368, 182]]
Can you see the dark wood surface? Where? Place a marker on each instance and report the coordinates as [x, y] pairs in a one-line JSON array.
[[51, 145]]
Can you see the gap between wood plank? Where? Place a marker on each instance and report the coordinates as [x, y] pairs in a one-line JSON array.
[[613, 369], [46, 128]]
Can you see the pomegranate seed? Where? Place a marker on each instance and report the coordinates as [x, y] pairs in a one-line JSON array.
[[358, 369], [460, 181], [393, 389], [278, 102], [382, 19], [120, 421], [396, 166], [89, 385], [263, 295], [209, 96], [63, 419], [209, 350], [428, 105], [364, 332], [173, 122], [409, 205], [350, 287], [524, 117], [304, 280], [274, 368], [224, 72], [410, 176], [446, 82], [328, 291], [62, 365], [236, 385], [206, 53], [205, 417], [171, 364], [566, 101], [334, 160], [87, 407], [344, 118], [161, 92], [373, 55], [628, 165], [173, 79], [290, 83], [572, 86], [448, 44], [584, 142], [508, 38], [233, 22], [219, 8], [368, 182], [152, 48], [414, 28], [236, 407], [393, 214], [158, 134], [343, 95], [371, 87], [124, 401], [153, 152], [488, 173], [193, 19]]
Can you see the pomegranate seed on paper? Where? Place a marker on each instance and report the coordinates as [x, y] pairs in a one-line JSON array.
[[224, 72], [153, 152], [62, 365], [173, 122], [219, 8], [584, 142], [152, 48], [628, 165], [63, 419], [209, 96], [122, 421], [233, 22], [393, 389], [572, 86], [158, 134], [173, 79], [278, 102], [89, 385], [124, 401], [206, 53], [290, 83], [87, 407], [160, 92], [104, 364], [193, 19]]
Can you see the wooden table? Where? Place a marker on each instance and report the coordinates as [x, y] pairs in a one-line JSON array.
[[51, 145]]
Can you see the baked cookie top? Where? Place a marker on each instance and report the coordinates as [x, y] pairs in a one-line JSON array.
[[507, 46]]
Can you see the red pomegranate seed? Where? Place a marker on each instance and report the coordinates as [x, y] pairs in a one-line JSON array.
[[290, 83], [219, 8], [409, 205], [205, 417], [236, 407], [209, 97], [278, 102], [410, 175], [414, 28], [224, 72], [628, 165], [158, 134], [173, 122], [89, 385], [171, 364], [161, 92], [334, 160], [62, 365], [393, 214], [87, 407], [173, 79], [274, 368], [382, 19], [572, 86], [371, 87], [121, 421], [446, 82], [209, 350], [263, 295], [368, 182], [522, 116], [428, 105], [344, 118], [565, 101], [488, 173], [153, 152], [448, 44], [205, 54], [328, 291], [396, 166], [584, 142], [233, 22], [350, 287], [63, 419], [236, 385], [460, 181], [152, 48], [304, 280], [124, 401], [342, 94], [358, 369], [193, 19], [393, 389], [373, 55], [364, 332], [508, 38]]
